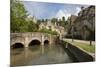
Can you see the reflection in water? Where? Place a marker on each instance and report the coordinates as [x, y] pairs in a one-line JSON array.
[[17, 51], [38, 54]]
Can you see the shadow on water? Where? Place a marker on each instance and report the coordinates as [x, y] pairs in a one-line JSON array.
[[16, 51], [71, 56], [34, 48]]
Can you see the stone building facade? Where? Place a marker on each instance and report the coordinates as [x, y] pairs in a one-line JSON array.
[[53, 27], [84, 23]]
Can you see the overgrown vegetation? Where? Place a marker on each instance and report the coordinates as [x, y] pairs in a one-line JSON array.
[[48, 31]]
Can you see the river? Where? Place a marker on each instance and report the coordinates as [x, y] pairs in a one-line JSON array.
[[38, 55]]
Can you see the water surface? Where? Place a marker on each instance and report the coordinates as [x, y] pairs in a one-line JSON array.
[[36, 55]]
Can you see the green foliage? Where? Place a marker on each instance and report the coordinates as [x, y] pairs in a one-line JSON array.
[[61, 22], [32, 27], [48, 31], [53, 20], [18, 15], [18, 18], [63, 19]]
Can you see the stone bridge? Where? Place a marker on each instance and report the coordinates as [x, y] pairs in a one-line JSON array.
[[31, 38]]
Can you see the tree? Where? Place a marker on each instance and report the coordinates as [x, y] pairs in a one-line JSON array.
[[63, 19], [43, 20], [54, 20], [62, 22], [32, 27], [18, 15]]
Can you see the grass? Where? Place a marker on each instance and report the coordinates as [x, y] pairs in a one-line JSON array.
[[84, 46]]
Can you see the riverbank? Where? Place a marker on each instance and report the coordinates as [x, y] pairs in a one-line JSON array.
[[80, 54], [83, 45]]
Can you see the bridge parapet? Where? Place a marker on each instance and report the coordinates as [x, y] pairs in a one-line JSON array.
[[26, 38]]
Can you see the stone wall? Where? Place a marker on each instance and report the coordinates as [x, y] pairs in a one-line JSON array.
[[78, 54]]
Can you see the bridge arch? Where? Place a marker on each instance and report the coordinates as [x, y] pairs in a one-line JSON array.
[[31, 37], [46, 42], [34, 42], [17, 45]]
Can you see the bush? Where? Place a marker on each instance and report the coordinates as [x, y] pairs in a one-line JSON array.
[[48, 31]]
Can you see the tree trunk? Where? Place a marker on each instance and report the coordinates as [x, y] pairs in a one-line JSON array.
[[90, 42]]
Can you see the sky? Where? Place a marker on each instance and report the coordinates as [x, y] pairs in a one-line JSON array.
[[44, 10]]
